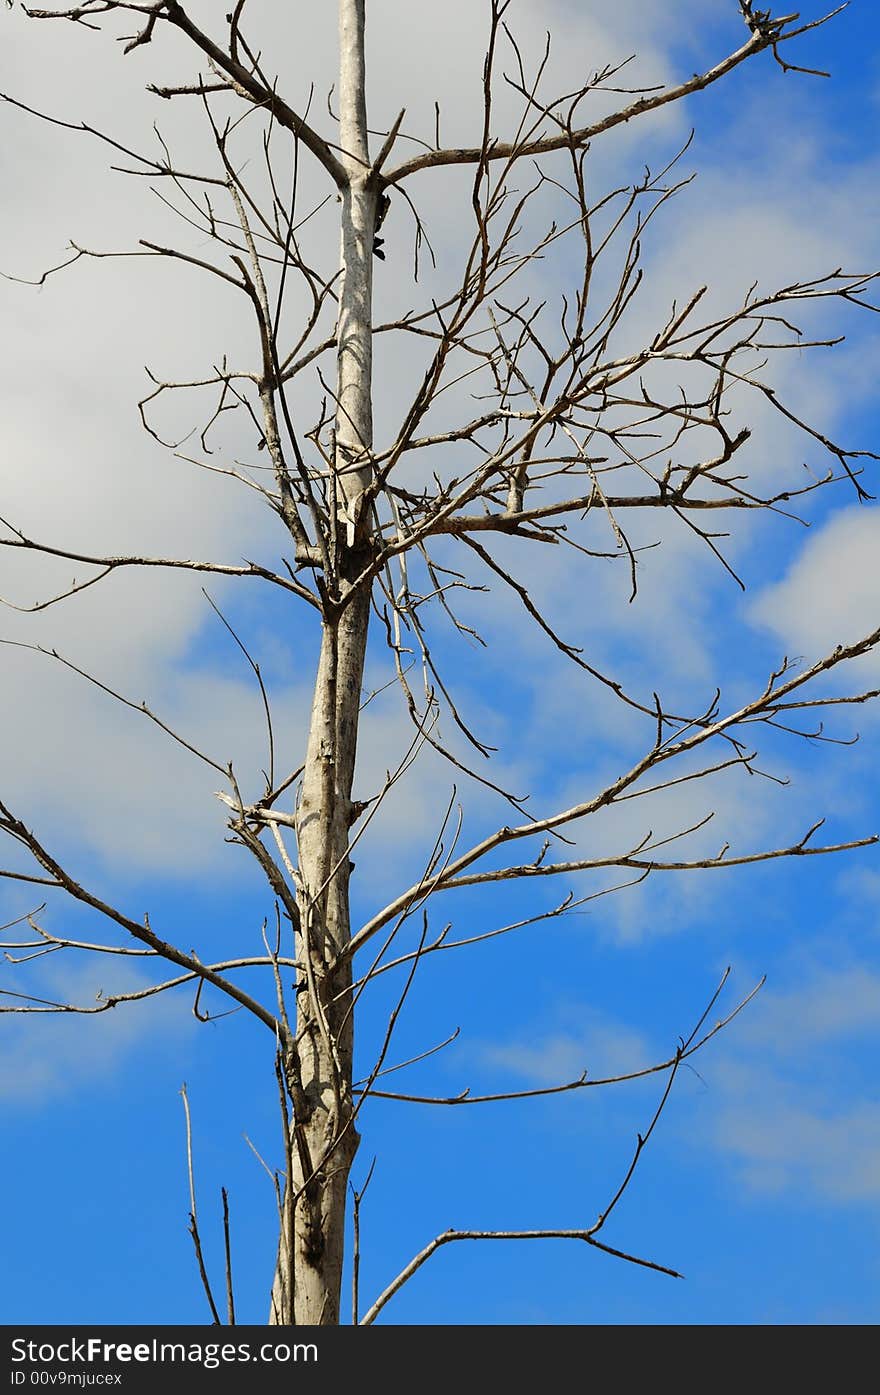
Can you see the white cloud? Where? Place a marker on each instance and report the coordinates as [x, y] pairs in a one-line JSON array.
[[833, 1006], [780, 1100], [67, 1050], [781, 1143], [788, 1104], [121, 788], [862, 888], [77, 466], [830, 594], [599, 1046]]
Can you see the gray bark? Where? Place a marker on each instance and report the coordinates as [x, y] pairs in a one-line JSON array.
[[323, 1137]]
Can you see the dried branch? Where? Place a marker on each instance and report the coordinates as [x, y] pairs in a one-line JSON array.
[[662, 751], [193, 1220], [757, 42], [141, 932], [111, 564], [230, 1295], [357, 1197], [588, 1236], [532, 421]]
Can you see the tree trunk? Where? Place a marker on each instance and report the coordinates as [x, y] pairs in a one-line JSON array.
[[323, 1136]]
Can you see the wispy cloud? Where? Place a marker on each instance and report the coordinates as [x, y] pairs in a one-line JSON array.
[[789, 1104], [780, 1140], [830, 594], [67, 1050], [780, 1101], [597, 1044]]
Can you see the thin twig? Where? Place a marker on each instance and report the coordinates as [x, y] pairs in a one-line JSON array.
[[193, 1220]]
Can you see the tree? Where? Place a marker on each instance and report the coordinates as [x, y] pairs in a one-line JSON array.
[[531, 429]]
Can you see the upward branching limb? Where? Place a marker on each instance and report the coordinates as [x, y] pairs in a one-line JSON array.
[[764, 34], [140, 931], [109, 564], [571, 432], [241, 76], [664, 749]]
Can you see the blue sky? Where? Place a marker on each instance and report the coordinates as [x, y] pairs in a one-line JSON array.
[[761, 1182]]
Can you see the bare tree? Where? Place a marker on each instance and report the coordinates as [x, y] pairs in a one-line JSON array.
[[531, 428]]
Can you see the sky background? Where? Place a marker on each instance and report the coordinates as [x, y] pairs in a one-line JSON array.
[[761, 1183]]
